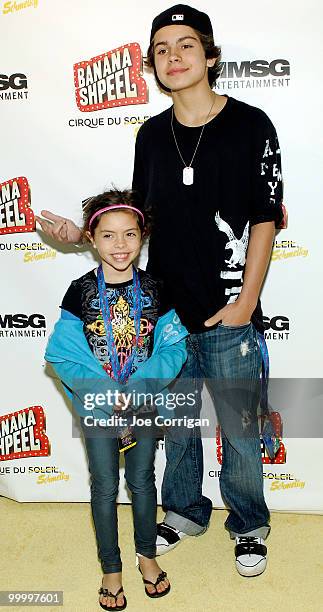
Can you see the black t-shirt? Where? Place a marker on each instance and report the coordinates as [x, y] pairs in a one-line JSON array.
[[200, 233], [82, 300]]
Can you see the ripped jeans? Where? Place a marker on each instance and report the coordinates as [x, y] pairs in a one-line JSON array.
[[219, 355]]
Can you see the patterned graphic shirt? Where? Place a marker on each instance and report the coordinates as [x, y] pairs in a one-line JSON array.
[[82, 300]]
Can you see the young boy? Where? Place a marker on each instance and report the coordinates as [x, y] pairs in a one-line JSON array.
[[210, 169]]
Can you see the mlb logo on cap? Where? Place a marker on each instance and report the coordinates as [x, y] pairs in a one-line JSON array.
[[183, 15]]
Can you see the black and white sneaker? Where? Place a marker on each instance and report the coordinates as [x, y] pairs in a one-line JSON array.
[[251, 556], [167, 538]]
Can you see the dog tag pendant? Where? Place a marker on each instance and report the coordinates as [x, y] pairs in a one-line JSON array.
[[188, 175]]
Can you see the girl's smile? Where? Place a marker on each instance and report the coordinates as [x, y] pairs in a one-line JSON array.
[[117, 238]]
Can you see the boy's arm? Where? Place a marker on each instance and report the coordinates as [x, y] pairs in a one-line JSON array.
[[267, 212], [258, 256], [59, 228]]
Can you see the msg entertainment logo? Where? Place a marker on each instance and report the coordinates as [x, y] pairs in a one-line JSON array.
[[253, 74]]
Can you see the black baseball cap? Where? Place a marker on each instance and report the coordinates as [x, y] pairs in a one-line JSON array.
[[181, 14]]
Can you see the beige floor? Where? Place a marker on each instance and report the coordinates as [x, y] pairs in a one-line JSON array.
[[52, 547]]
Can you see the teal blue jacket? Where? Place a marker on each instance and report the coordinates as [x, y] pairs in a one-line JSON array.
[[81, 372]]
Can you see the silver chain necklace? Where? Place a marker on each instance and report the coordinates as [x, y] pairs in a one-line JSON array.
[[188, 171]]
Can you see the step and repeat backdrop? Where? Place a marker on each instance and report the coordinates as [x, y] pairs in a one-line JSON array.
[[73, 94]]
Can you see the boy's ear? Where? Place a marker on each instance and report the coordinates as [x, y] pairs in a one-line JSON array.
[[210, 62]]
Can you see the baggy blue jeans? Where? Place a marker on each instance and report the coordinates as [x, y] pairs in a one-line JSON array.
[[222, 354], [103, 457]]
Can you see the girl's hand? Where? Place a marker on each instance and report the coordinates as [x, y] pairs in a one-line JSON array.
[[121, 403], [59, 228]]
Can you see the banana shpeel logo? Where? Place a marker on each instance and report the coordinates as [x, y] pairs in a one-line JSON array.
[[110, 80], [16, 215], [22, 434]]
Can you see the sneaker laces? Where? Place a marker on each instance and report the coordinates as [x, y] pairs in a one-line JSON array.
[[249, 544]]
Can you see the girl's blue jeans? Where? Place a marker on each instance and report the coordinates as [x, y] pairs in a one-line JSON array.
[[103, 457]]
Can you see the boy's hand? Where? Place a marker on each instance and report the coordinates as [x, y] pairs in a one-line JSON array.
[[59, 228], [232, 314]]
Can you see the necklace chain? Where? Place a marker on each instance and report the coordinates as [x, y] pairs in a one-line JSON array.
[[199, 139]]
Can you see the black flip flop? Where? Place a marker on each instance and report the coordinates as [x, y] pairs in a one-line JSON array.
[[160, 578], [107, 593]]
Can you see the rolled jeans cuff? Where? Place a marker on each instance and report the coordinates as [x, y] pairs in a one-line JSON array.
[[149, 553], [260, 532], [183, 524], [113, 568]]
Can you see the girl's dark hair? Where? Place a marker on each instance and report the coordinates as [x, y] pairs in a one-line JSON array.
[[210, 49], [111, 198]]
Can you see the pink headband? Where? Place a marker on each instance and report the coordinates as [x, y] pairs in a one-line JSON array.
[[102, 210]]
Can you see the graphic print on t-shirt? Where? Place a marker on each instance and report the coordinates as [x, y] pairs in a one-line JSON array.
[[82, 300], [123, 326], [270, 169], [238, 247], [237, 259]]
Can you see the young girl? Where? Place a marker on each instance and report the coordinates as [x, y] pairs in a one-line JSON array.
[[116, 309]]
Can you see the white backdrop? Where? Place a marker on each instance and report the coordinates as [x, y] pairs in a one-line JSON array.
[[66, 154]]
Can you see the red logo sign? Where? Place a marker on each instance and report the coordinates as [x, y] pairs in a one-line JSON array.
[[110, 80], [280, 456], [22, 434], [15, 212]]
